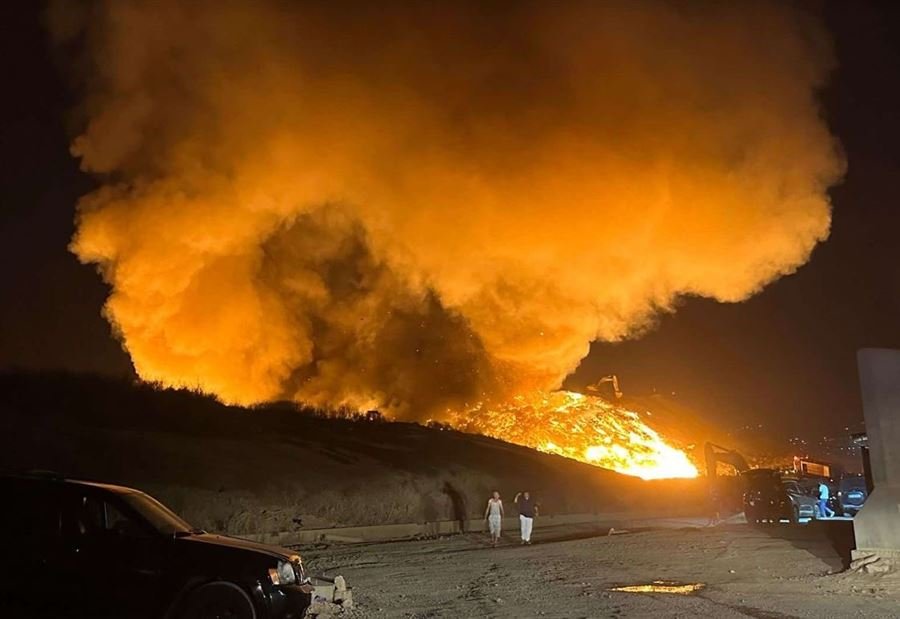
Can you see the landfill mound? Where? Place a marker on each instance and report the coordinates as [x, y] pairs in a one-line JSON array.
[[279, 468]]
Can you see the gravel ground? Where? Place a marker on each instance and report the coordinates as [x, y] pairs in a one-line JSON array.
[[766, 573]]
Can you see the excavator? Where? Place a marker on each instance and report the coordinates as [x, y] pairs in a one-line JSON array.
[[716, 453], [613, 379], [725, 495]]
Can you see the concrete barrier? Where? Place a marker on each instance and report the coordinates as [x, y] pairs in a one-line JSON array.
[[386, 532], [875, 527]]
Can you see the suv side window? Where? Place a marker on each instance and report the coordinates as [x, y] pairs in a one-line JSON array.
[[96, 518]]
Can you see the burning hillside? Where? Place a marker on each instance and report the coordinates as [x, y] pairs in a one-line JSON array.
[[582, 427]]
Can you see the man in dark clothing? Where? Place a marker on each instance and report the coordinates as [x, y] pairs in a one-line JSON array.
[[525, 505]]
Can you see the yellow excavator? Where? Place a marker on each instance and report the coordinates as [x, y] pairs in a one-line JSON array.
[[613, 379]]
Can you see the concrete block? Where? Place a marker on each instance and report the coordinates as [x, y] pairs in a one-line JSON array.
[[323, 593], [344, 598]]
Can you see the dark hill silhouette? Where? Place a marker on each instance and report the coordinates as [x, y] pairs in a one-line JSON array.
[[270, 468]]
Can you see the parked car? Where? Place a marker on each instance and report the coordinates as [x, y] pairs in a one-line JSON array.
[[769, 497], [851, 494], [81, 549]]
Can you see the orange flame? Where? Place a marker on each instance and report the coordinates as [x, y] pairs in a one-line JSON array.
[[581, 427]]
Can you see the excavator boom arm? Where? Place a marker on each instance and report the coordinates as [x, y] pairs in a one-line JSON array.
[[716, 453]]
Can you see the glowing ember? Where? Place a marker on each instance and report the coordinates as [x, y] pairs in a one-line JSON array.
[[586, 428]]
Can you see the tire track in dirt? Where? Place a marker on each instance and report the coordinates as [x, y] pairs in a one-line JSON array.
[[476, 589], [748, 611]]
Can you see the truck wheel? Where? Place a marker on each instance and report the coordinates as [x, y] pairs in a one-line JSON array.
[[219, 600]]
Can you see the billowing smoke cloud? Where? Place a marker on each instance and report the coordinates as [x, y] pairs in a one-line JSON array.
[[414, 205]]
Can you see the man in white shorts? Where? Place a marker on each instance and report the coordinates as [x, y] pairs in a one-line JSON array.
[[494, 515]]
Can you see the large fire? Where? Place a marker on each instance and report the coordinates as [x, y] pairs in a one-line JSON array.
[[582, 427]]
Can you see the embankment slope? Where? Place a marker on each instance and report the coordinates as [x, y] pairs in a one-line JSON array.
[[276, 468]]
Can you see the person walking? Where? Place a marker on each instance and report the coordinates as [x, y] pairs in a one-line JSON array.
[[525, 505], [494, 515], [824, 510]]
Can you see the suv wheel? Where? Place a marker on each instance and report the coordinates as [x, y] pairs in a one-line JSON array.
[[219, 600]]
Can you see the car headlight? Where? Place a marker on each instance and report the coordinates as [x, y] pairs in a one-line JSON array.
[[298, 568], [284, 574]]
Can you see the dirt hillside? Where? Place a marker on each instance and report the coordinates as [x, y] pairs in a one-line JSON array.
[[278, 468]]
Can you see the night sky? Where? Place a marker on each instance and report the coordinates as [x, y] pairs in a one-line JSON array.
[[785, 358]]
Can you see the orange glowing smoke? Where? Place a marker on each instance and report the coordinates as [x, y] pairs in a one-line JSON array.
[[582, 427], [413, 205]]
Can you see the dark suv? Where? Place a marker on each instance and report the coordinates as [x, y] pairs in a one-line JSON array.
[[79, 549], [769, 497], [851, 494]]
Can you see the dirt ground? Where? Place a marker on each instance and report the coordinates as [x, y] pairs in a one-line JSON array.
[[777, 572]]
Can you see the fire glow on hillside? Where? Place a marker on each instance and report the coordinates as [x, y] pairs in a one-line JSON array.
[[582, 427]]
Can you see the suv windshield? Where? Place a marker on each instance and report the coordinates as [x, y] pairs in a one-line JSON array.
[[853, 482], [158, 515]]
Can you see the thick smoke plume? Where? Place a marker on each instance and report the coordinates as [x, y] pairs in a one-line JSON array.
[[416, 205]]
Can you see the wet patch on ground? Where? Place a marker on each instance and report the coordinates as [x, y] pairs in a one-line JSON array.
[[662, 586]]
